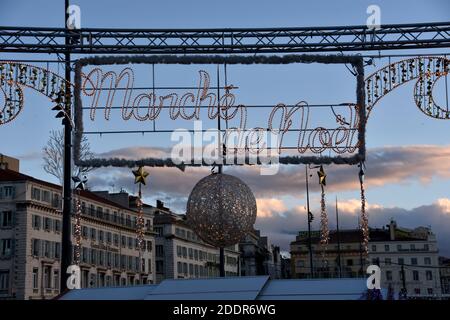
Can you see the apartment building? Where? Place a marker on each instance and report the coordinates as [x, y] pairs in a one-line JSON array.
[[30, 240], [259, 256], [408, 258], [181, 254], [343, 257]]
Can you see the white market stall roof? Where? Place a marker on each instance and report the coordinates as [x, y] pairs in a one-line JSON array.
[[231, 288]]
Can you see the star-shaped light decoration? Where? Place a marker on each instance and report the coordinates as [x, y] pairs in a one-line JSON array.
[[322, 176], [80, 182], [140, 175]]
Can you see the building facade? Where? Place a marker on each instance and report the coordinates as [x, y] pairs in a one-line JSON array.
[[181, 254], [444, 273], [408, 258], [343, 256], [259, 257], [30, 240]]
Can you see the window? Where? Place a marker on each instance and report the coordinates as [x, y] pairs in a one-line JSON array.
[[108, 237], [184, 252], [430, 290], [47, 277], [101, 257], [84, 255], [93, 256], [100, 236], [55, 279], [149, 265], [429, 275], [196, 254], [426, 247], [374, 248], [400, 275], [427, 260], [5, 247], [185, 268], [47, 224], [93, 234], [57, 226], [191, 253], [35, 194], [417, 290], [389, 275], [4, 280], [300, 263], [349, 262], [5, 219], [159, 251], [159, 266], [191, 269], [124, 241], [9, 192], [114, 260], [116, 239], [57, 250], [84, 232], [412, 247], [35, 278], [416, 275], [47, 249], [56, 203], [399, 247], [401, 261], [159, 231], [179, 267], [36, 247], [100, 212], [386, 247], [149, 246], [36, 222], [130, 242], [414, 261], [387, 261], [45, 196]]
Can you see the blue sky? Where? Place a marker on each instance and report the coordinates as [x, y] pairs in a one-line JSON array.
[[395, 122]]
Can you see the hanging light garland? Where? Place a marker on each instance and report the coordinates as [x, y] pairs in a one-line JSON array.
[[324, 231], [139, 177], [427, 71], [364, 221], [80, 186]]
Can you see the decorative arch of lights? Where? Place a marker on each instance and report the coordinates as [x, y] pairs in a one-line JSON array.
[[16, 76]]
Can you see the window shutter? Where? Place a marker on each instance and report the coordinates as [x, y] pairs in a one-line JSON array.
[[1, 192]]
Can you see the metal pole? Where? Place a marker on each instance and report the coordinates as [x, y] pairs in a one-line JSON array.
[[221, 251], [309, 225], [338, 240], [66, 244]]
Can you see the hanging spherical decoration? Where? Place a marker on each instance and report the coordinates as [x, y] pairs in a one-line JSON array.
[[221, 209]]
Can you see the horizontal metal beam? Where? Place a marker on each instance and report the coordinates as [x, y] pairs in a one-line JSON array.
[[225, 41]]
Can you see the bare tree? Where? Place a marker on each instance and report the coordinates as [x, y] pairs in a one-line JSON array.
[[54, 155]]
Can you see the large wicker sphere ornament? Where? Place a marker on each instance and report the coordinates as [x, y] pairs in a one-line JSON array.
[[221, 209]]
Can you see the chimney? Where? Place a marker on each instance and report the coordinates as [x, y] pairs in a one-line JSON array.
[[159, 204], [392, 227]]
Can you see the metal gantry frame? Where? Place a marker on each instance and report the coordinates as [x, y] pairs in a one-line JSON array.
[[225, 40], [90, 41]]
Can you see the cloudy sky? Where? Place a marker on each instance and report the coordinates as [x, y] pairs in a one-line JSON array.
[[408, 160]]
